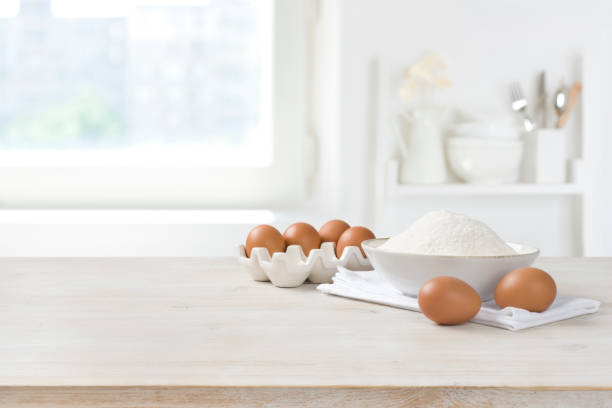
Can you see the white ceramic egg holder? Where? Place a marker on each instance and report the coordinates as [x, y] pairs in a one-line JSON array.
[[291, 268]]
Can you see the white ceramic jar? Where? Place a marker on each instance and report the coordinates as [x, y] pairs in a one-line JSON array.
[[421, 146]]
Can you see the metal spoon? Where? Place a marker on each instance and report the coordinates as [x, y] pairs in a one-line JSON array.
[[560, 99]]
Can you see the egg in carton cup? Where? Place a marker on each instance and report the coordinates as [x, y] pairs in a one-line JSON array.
[[291, 268]]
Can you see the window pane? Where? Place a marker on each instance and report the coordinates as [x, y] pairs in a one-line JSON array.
[[187, 79], [9, 8], [90, 8]]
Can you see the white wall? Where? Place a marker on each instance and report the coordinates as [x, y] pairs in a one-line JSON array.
[[488, 44]]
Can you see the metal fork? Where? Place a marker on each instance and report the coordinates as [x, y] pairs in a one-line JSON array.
[[519, 104]]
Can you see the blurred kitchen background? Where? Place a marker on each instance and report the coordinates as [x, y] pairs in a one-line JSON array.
[[171, 127]]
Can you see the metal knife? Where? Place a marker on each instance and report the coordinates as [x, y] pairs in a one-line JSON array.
[[542, 100]]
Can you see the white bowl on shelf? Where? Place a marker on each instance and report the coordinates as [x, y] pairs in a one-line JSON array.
[[485, 161], [409, 272], [485, 130]]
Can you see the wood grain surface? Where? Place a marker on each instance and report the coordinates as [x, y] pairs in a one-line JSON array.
[[141, 329], [192, 397]]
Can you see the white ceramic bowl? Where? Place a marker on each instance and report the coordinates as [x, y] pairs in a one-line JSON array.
[[485, 161], [408, 272], [485, 130]]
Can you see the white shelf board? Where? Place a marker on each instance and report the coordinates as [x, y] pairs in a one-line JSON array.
[[395, 189]]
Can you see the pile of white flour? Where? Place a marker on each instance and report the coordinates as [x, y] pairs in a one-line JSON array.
[[447, 233]]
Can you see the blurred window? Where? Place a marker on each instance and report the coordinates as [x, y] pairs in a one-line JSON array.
[[178, 83], [166, 79]]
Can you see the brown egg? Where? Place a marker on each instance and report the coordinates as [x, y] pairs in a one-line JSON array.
[[331, 230], [353, 236], [526, 288], [448, 300], [304, 235], [265, 236]]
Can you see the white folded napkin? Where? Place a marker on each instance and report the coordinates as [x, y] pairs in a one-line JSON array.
[[371, 287]]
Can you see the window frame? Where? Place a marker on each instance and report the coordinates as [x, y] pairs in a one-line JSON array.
[[281, 183]]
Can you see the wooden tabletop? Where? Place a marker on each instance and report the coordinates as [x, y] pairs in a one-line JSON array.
[[191, 322]]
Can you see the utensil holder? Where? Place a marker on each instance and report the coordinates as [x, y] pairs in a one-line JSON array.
[[544, 157]]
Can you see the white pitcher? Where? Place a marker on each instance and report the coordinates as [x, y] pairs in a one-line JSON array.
[[421, 147]]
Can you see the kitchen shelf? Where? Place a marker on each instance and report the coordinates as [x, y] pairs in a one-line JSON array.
[[395, 189]]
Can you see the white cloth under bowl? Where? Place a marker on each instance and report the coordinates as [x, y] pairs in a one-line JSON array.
[[371, 287]]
